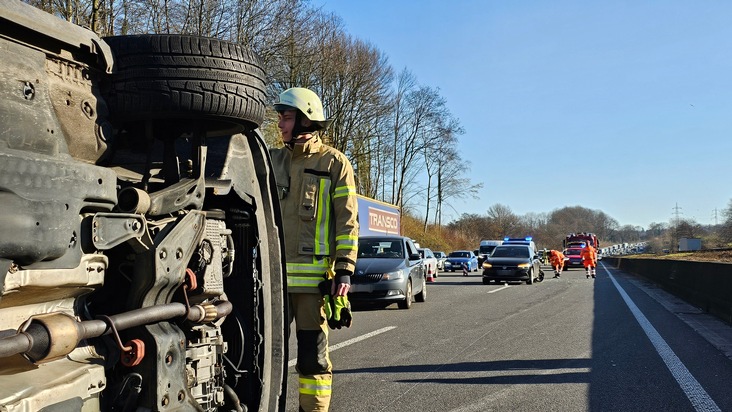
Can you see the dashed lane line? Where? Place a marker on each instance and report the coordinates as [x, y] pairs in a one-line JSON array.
[[337, 346], [499, 289]]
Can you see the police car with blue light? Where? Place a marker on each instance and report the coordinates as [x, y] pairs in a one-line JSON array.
[[516, 260]]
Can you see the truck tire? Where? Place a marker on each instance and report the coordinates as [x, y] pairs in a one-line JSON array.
[[185, 79]]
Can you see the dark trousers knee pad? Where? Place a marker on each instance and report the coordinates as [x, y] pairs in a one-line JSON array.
[[311, 352]]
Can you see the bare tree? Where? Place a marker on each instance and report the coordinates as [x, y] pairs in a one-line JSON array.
[[451, 181], [503, 221], [405, 83], [355, 86], [437, 137], [420, 117]]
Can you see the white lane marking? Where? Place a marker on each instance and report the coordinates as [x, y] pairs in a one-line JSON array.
[[698, 397], [496, 290], [337, 346]]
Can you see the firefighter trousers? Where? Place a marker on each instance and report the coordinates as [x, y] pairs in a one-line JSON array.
[[313, 362]]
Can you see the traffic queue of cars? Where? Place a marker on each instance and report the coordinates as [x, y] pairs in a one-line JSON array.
[[394, 269]]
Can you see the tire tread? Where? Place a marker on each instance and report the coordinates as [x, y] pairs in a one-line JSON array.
[[181, 76]]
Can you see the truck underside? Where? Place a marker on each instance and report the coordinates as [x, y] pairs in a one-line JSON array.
[[140, 251]]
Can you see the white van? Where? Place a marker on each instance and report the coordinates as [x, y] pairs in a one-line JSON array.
[[486, 248], [522, 241]]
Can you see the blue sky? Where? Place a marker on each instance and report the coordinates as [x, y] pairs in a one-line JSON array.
[[619, 106]]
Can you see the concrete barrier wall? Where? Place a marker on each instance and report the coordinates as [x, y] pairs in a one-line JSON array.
[[706, 285]]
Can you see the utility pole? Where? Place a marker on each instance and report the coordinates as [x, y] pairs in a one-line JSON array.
[[714, 213], [677, 212], [675, 235]]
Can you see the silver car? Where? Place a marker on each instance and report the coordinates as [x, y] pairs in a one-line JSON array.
[[441, 258], [430, 263], [389, 269]]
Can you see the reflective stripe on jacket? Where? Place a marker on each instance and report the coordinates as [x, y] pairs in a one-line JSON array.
[[317, 193], [588, 253]]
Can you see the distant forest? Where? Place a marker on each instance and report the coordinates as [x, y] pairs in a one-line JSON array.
[[548, 229]]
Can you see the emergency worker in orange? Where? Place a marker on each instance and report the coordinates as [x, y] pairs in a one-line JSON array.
[[589, 260], [556, 259], [317, 192]]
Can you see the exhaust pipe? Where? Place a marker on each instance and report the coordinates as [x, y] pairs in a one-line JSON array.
[[49, 336]]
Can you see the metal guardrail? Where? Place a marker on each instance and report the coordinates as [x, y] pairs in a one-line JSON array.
[[707, 285], [720, 249]]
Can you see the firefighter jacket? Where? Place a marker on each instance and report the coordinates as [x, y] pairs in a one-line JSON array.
[[556, 257], [317, 194], [588, 253]]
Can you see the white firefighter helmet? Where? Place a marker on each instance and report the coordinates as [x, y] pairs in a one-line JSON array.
[[304, 100]]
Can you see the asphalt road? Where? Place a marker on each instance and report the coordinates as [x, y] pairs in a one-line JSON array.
[[614, 343]]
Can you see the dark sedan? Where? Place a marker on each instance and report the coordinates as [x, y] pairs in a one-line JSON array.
[[512, 263], [389, 269]]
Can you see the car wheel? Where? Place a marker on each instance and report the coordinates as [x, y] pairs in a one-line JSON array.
[[407, 302], [422, 295], [486, 281], [185, 81], [530, 281]]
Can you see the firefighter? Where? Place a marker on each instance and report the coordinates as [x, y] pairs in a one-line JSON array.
[[317, 192], [589, 260], [556, 259]]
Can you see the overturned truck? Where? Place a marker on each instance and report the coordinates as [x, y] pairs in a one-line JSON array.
[[140, 246]]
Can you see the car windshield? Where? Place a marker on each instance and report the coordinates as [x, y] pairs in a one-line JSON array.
[[380, 248], [508, 251], [573, 252], [486, 250], [439, 255], [460, 254]]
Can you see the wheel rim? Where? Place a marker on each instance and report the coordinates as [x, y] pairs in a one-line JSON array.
[[408, 298]]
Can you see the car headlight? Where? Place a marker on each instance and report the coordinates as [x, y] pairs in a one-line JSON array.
[[487, 265], [524, 265], [398, 274]]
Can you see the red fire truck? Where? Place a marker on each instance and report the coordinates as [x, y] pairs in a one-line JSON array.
[[575, 239]]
